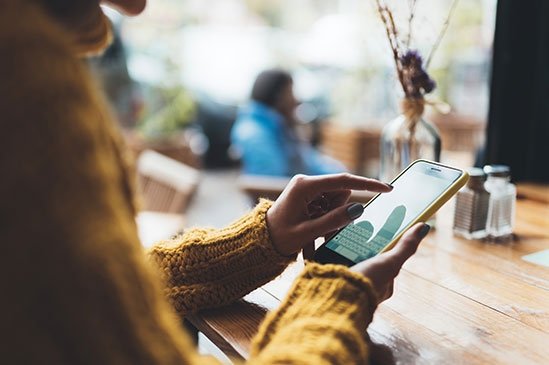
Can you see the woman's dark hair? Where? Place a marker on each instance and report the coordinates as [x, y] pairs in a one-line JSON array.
[[269, 84]]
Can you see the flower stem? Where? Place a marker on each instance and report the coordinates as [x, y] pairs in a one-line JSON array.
[[441, 34], [412, 7]]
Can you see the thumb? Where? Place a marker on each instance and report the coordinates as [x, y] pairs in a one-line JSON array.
[[332, 221], [408, 244]]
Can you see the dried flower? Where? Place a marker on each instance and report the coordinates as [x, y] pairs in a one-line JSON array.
[[411, 70], [417, 81]]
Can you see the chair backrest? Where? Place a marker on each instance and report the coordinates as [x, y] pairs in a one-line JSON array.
[[459, 132], [166, 185], [356, 148]]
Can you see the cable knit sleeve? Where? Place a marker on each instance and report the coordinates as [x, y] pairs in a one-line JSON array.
[[208, 267], [322, 321]]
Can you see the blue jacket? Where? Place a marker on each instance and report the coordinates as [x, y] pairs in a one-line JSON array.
[[268, 147]]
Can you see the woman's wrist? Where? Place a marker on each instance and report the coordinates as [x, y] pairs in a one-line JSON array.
[[284, 248], [282, 253]]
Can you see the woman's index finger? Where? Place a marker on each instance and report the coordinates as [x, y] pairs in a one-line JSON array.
[[325, 183]]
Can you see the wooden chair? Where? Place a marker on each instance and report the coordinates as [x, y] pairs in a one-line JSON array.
[[459, 132], [177, 147], [356, 148], [166, 185]]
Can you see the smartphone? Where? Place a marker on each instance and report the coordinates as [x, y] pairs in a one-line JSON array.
[[418, 192]]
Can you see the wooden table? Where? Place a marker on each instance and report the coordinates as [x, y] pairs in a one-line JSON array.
[[533, 191], [455, 302]]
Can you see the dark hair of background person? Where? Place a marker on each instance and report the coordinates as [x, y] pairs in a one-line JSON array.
[[269, 84], [518, 120]]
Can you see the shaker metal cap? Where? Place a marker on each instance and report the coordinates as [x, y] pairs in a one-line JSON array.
[[476, 173], [497, 170], [476, 178]]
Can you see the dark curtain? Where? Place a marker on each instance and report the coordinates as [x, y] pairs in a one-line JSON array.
[[518, 122]]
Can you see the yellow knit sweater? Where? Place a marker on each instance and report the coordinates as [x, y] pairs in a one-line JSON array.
[[76, 287]]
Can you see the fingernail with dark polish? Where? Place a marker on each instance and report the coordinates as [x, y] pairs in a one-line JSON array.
[[355, 211], [389, 186], [424, 230]]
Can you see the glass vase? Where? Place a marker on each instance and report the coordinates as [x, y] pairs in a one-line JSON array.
[[403, 141]]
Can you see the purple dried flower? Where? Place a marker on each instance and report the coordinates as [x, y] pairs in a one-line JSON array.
[[411, 58], [409, 65], [429, 85], [415, 78]]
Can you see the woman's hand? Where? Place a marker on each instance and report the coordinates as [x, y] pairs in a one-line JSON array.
[[383, 269], [312, 206]]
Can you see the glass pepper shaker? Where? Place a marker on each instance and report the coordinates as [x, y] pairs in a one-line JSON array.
[[503, 196], [471, 209]]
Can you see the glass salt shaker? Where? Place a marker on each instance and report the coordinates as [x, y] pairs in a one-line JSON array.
[[471, 209], [501, 208]]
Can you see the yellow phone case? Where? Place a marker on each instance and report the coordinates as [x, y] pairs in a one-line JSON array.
[[435, 206]]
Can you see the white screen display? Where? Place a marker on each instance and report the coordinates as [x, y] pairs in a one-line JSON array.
[[388, 214]]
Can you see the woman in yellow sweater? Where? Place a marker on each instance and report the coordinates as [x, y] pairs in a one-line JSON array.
[[77, 288]]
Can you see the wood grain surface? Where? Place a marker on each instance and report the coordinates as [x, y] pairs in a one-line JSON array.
[[456, 301]]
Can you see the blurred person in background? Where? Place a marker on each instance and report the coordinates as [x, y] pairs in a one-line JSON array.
[[77, 287], [265, 135]]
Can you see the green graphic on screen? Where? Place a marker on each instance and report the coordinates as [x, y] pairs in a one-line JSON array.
[[386, 216], [355, 242]]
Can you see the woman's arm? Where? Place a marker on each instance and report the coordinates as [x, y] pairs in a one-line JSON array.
[[324, 317], [214, 267], [209, 267], [322, 321]]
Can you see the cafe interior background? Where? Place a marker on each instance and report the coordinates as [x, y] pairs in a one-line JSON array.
[[177, 74]]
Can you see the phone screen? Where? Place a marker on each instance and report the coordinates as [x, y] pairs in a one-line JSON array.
[[389, 213]]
